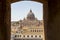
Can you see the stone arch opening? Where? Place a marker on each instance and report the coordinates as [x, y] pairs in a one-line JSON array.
[[30, 16]]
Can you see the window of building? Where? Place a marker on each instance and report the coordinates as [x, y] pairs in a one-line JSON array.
[[31, 35], [20, 35], [39, 35], [15, 35], [16, 31], [23, 35], [27, 35], [35, 35], [35, 30]]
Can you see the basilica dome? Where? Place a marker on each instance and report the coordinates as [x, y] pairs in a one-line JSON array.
[[31, 15]]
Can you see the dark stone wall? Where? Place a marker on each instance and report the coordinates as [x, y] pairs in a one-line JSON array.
[[2, 27], [4, 20], [52, 22]]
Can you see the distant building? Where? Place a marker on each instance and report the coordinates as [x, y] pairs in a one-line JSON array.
[[29, 28]]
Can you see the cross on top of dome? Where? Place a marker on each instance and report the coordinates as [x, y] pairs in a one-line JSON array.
[[30, 10]]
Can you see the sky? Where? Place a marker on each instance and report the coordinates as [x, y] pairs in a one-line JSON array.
[[19, 10]]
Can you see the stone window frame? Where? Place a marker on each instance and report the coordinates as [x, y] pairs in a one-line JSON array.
[[7, 16]]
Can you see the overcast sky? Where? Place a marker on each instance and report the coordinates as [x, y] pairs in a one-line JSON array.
[[19, 10]]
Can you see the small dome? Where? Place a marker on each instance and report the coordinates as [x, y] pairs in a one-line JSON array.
[[30, 15]]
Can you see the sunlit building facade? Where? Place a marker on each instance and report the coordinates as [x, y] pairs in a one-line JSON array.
[[30, 28]]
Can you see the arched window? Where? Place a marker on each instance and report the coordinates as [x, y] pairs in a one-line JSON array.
[[35, 30], [27, 11], [15, 35], [27, 35], [23, 35], [35, 35], [20, 35], [40, 36], [31, 35]]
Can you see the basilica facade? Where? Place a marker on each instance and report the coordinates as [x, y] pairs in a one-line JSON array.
[[30, 28]]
